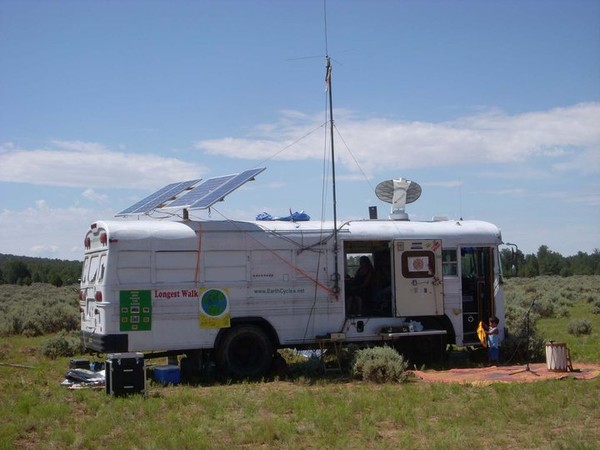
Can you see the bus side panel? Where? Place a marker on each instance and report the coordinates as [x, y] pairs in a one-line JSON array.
[[453, 305]]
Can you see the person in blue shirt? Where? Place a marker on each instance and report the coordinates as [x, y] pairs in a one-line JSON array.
[[493, 341]]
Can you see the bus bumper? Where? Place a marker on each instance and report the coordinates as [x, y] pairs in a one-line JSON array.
[[105, 343]]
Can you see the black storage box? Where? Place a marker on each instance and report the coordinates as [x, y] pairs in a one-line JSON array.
[[125, 374]]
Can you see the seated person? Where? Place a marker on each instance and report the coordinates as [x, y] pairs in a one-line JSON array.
[[361, 288], [382, 294], [382, 299]]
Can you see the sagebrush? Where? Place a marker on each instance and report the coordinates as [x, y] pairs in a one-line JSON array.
[[579, 327], [379, 365], [65, 344]]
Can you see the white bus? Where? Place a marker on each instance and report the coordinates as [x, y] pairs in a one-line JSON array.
[[238, 291]]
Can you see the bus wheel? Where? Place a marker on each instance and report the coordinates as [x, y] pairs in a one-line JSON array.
[[245, 352]]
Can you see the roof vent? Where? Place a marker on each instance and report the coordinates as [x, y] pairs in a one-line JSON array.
[[399, 193]]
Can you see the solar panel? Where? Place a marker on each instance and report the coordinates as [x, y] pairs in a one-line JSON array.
[[200, 191], [157, 199], [213, 190]]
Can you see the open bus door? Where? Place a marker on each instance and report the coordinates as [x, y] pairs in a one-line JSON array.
[[418, 278], [419, 294], [477, 280]]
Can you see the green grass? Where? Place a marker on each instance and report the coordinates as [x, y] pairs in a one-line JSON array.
[[585, 348], [36, 412], [556, 302]]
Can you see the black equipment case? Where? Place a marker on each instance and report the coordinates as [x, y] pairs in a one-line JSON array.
[[125, 374]]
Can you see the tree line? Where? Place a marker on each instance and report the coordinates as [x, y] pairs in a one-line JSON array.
[[25, 270], [547, 262]]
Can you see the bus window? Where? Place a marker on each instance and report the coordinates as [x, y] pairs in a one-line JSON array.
[[449, 263], [84, 270], [93, 268], [468, 262], [418, 264], [352, 263], [102, 267]]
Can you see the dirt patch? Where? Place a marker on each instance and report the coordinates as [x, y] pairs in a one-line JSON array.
[[506, 374]]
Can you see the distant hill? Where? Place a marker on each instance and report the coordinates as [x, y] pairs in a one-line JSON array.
[[27, 270]]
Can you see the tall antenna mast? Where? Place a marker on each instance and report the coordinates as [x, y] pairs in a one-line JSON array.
[[336, 286], [336, 274]]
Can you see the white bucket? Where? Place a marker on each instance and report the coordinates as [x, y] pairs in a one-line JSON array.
[[556, 356]]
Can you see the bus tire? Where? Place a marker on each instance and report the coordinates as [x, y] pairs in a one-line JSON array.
[[245, 352]]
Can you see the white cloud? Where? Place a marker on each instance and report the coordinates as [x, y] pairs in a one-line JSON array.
[[568, 136], [41, 205], [45, 231], [90, 165], [446, 184], [568, 140], [90, 194], [47, 251]]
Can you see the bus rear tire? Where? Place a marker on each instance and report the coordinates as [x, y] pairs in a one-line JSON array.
[[245, 352]]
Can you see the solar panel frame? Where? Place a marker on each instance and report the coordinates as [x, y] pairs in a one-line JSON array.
[[156, 199], [227, 188], [199, 191], [213, 190]]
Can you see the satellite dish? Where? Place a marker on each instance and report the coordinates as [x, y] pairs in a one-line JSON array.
[[398, 192]]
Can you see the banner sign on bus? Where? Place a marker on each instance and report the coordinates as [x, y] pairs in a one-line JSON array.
[[213, 304], [135, 310], [214, 308]]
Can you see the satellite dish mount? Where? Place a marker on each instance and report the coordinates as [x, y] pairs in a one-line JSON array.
[[398, 192]]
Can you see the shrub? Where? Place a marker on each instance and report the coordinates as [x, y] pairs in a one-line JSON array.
[[301, 364], [38, 309], [516, 320], [380, 365], [56, 280], [563, 311], [592, 299], [530, 289], [519, 349], [310, 368], [292, 356], [519, 345], [4, 349], [579, 327], [545, 306], [62, 345]]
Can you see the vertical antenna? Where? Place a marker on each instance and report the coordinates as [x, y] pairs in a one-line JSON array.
[[460, 205], [336, 286], [336, 274], [325, 18]]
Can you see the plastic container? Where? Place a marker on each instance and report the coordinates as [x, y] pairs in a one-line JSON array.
[[167, 374], [556, 356]]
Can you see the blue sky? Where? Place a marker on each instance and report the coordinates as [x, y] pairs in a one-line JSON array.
[[492, 106]]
